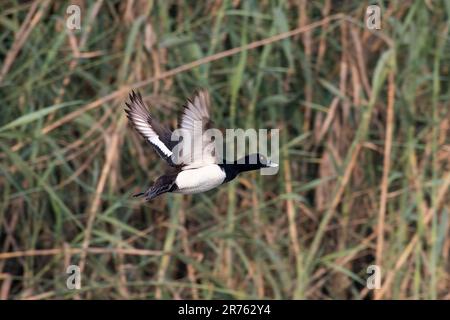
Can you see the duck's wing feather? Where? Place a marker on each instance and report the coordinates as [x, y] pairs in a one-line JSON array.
[[155, 133], [195, 120]]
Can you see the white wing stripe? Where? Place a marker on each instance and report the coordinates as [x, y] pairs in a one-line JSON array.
[[155, 140]]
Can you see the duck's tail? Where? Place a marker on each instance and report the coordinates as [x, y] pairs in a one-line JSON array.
[[162, 185], [152, 193]]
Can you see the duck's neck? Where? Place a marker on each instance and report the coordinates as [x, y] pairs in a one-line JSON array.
[[236, 167]]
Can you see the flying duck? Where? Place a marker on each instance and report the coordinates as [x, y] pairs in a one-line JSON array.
[[194, 171]]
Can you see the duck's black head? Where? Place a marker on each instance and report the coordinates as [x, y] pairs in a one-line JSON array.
[[254, 161], [250, 162]]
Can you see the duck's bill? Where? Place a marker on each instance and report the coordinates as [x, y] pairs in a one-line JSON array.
[[272, 165]]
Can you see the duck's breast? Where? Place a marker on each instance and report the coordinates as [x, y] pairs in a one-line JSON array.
[[199, 179]]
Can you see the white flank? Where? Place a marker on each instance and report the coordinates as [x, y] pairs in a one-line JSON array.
[[199, 180]]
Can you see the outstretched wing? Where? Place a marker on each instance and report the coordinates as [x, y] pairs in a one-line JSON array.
[[156, 134], [200, 150]]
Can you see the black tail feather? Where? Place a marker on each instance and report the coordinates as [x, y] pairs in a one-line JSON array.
[[154, 191], [163, 184], [138, 194]]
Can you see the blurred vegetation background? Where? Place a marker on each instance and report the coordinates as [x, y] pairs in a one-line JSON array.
[[365, 148]]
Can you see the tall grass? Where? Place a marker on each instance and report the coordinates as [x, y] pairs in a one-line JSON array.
[[365, 148]]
